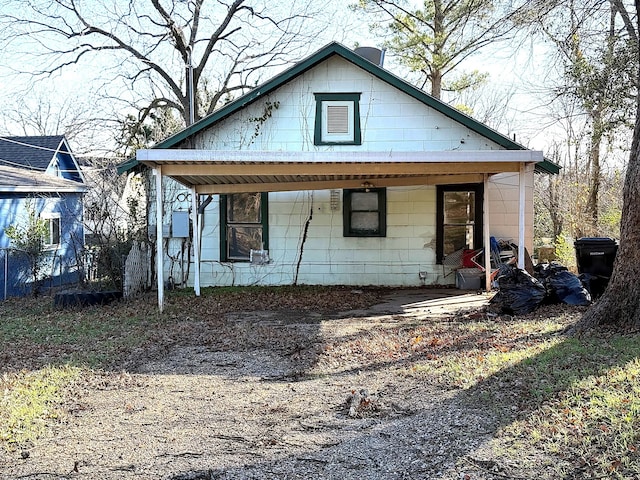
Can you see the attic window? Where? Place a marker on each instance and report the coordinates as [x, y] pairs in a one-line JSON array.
[[337, 119]]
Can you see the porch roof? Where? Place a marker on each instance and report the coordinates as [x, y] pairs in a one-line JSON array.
[[216, 171]]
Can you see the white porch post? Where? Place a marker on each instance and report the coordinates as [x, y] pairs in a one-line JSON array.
[[486, 227], [159, 256], [195, 218], [521, 218]]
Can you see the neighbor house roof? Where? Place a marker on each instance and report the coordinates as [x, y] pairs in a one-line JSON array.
[[20, 180], [33, 152], [349, 55]]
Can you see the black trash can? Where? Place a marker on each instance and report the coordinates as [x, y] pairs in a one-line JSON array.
[[595, 257]]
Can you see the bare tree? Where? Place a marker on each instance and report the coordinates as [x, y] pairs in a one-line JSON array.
[[600, 80], [40, 114], [188, 55], [595, 55]]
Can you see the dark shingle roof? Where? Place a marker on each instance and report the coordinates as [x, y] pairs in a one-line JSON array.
[[34, 153]]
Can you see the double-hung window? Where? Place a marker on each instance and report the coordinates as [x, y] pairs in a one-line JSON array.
[[244, 222], [365, 212]]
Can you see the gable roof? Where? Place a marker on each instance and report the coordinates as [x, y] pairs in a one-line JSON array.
[[20, 180], [320, 56], [33, 152]]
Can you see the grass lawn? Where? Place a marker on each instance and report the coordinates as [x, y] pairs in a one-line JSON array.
[[577, 398]]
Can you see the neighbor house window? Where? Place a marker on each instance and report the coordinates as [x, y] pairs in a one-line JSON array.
[[244, 224], [52, 230], [459, 219], [337, 119], [365, 212]]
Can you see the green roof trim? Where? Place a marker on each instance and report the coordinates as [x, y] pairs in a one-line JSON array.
[[127, 165], [547, 166], [321, 55]]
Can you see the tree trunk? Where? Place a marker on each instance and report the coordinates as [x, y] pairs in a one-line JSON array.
[[619, 306], [554, 208], [438, 46], [436, 84]]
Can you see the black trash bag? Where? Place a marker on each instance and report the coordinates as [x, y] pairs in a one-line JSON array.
[[519, 293], [595, 284], [543, 271], [562, 285], [567, 288]]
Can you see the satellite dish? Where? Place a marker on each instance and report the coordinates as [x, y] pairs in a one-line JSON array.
[[374, 55]]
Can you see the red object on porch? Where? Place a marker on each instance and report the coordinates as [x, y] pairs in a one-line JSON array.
[[467, 258], [470, 258]]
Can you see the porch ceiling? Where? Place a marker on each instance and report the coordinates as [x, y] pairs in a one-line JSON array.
[[215, 171]]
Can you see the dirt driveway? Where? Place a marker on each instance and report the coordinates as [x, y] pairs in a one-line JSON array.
[[276, 395]]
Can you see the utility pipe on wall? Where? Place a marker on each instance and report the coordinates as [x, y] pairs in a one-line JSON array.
[[190, 86]]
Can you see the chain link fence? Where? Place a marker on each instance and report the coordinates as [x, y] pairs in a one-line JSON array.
[[16, 277], [98, 268]]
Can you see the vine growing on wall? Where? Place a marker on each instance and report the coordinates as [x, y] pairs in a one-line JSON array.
[[304, 239], [269, 107]]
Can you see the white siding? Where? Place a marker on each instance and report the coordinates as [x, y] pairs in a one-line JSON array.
[[503, 207], [390, 120], [327, 256]]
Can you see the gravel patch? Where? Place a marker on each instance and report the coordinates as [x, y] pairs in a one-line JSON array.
[[258, 397]]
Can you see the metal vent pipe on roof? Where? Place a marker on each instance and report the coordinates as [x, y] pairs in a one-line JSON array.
[[374, 55]]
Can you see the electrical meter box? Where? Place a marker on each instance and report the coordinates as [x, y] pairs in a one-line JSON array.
[[180, 224]]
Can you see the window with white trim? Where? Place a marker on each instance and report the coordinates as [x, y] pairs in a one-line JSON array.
[[52, 231]]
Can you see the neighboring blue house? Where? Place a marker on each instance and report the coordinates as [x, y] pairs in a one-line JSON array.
[[41, 175]]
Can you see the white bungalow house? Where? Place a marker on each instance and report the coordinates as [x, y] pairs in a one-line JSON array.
[[338, 172]]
